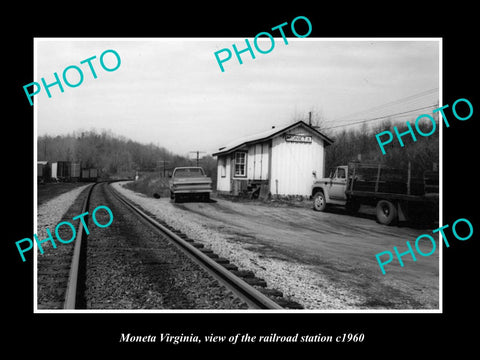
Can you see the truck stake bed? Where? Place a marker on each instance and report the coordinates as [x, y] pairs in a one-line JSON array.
[[395, 193]]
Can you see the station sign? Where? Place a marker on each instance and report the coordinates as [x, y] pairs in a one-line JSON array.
[[298, 138]]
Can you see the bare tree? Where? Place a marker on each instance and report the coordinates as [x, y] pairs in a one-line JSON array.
[[314, 117]]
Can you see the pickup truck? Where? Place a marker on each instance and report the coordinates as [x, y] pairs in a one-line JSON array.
[[190, 181], [396, 194]]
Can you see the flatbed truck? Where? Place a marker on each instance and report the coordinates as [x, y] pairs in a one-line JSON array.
[[396, 195]]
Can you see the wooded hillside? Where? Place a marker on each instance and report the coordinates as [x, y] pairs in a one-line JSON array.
[[112, 154], [351, 144]]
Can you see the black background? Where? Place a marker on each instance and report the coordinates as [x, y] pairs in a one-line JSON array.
[[385, 334]]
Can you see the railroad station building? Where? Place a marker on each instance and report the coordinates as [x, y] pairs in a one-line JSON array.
[[280, 161]]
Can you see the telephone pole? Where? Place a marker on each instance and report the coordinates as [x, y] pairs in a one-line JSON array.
[[164, 165], [198, 154]]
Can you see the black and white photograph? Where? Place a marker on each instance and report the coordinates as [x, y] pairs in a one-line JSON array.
[[269, 183], [260, 171]]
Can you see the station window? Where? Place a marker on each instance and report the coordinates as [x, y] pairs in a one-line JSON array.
[[240, 164], [223, 167]]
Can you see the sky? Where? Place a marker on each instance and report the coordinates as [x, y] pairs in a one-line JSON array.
[[172, 93]]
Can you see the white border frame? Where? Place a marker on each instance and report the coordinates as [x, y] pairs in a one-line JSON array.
[[181, 311]]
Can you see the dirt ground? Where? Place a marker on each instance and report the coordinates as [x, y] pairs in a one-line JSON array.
[[338, 245], [329, 254], [49, 191]]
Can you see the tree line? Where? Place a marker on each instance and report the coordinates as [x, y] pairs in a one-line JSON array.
[[113, 155], [360, 144]]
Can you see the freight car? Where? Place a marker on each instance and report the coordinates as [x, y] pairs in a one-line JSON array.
[[89, 174], [64, 171], [43, 172], [94, 174], [75, 172], [61, 170]]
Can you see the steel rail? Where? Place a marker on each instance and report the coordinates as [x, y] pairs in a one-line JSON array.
[[239, 287], [72, 283]]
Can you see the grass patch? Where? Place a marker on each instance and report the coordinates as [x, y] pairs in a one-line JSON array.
[[150, 183], [48, 191]]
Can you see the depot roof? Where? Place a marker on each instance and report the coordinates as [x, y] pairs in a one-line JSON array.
[[267, 135]]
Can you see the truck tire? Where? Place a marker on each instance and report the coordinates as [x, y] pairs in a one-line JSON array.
[[319, 201], [386, 212]]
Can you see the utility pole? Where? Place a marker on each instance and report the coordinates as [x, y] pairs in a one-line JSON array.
[[164, 166], [198, 154]]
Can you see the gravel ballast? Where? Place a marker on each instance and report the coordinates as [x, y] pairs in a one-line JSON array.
[[297, 281], [53, 265], [132, 266], [50, 213]]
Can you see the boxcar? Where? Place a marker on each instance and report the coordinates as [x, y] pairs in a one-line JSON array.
[[61, 170], [85, 174], [75, 171], [43, 171], [89, 174], [93, 174]]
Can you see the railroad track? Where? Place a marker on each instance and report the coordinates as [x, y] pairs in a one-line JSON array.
[[240, 283], [76, 277]]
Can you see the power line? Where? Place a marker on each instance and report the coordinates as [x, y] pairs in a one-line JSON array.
[[382, 117], [391, 103]]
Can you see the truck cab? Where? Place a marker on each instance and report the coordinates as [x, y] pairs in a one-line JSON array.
[[331, 190]]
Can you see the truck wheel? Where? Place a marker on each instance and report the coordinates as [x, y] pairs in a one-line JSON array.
[[319, 202], [386, 212]]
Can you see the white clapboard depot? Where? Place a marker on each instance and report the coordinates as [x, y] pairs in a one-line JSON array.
[[282, 161]]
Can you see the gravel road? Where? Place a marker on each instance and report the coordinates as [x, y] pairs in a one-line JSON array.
[[322, 260]]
